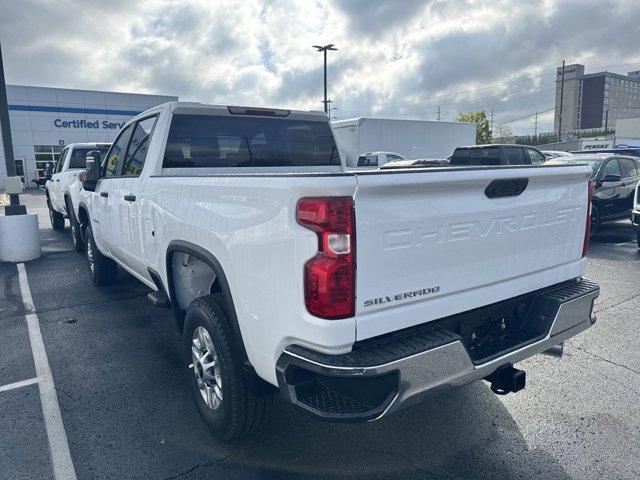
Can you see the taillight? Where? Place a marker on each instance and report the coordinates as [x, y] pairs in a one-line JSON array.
[[329, 277], [587, 230]]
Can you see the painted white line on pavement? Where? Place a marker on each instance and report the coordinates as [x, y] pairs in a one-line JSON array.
[[21, 383], [60, 456]]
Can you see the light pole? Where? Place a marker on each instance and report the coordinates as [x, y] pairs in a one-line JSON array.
[[324, 49], [14, 207]]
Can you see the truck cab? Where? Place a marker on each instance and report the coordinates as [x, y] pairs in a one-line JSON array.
[[497, 154]]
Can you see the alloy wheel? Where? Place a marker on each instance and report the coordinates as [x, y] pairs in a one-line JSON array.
[[90, 257], [206, 368]]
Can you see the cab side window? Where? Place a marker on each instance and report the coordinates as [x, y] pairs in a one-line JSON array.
[[536, 157], [117, 151], [137, 151], [61, 160]]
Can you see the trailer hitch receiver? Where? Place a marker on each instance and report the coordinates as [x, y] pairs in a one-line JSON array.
[[506, 379]]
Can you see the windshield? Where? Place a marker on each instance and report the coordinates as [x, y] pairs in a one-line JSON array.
[[237, 141], [594, 164], [79, 156]]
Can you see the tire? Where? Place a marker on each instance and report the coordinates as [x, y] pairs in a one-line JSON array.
[[57, 219], [595, 220], [102, 270], [231, 410], [76, 232], [638, 236]]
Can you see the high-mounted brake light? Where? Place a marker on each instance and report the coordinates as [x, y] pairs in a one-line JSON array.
[[587, 230], [329, 277], [260, 112]]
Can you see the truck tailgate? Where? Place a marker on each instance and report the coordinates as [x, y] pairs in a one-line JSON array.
[[439, 242]]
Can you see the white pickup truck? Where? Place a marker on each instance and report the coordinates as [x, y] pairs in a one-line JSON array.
[[353, 293], [62, 188]]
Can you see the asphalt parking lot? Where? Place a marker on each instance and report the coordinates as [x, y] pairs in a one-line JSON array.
[[127, 413]]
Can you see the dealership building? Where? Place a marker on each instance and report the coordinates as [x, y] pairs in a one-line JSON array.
[[43, 120]]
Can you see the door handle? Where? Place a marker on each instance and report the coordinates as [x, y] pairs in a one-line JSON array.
[[104, 194], [130, 198]]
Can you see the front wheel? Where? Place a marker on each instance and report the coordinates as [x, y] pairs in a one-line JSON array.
[[56, 218], [102, 270], [76, 234], [218, 382]]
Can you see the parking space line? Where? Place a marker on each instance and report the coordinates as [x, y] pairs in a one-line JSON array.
[[56, 435], [21, 383]]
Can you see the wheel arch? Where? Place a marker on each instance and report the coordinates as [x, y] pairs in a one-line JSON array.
[[179, 246]]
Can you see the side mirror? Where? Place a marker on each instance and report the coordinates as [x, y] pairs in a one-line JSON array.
[[611, 178], [92, 171]]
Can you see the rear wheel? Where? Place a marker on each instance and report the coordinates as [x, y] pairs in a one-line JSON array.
[[56, 218], [218, 382], [102, 270]]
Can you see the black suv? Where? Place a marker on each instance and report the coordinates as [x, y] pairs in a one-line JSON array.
[[497, 154], [615, 178]]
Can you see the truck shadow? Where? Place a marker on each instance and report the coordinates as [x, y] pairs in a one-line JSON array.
[[467, 433]]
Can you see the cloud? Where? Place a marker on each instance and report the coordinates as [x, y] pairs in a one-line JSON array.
[[394, 58]]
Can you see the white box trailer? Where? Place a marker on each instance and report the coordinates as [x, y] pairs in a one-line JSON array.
[[410, 138]]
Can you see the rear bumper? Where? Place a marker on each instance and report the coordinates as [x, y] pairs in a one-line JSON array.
[[381, 376]]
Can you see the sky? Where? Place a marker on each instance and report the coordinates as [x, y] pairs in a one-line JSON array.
[[395, 58]]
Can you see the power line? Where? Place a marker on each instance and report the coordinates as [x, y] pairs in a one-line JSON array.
[[462, 92]]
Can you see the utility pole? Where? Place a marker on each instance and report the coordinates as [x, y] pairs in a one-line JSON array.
[[438, 112], [491, 124], [535, 126], [324, 49], [5, 126], [561, 99]]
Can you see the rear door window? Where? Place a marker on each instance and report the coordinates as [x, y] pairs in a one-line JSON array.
[[485, 156], [247, 141], [515, 156], [368, 161], [628, 167]]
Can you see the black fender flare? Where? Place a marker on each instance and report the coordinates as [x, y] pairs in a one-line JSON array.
[[214, 264]]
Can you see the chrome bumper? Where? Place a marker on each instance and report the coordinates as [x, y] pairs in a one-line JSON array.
[[302, 377]]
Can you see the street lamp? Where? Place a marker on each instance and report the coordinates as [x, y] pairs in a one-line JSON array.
[[324, 49]]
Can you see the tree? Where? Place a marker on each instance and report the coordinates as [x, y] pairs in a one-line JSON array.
[[504, 134], [483, 131]]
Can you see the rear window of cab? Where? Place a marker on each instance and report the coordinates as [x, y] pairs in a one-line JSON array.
[[203, 141]]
